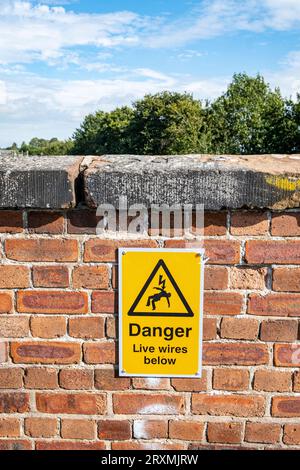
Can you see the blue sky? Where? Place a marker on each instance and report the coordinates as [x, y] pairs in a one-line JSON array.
[[60, 60]]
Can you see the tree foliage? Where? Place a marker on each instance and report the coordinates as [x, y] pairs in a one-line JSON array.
[[47, 147]]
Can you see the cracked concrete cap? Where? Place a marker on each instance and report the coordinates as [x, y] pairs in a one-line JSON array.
[[45, 182], [217, 181]]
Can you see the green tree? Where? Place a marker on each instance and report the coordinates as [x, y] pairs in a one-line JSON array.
[[53, 146]]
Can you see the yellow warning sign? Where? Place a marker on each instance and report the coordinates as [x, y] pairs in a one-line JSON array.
[[160, 312]]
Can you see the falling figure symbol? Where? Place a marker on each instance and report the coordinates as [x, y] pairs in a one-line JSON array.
[[162, 294]]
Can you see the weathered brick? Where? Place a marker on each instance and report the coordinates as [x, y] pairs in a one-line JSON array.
[[248, 278], [6, 302], [114, 430], [266, 433], [152, 403], [41, 378], [14, 276], [288, 407], [209, 329], [286, 224], [249, 223], [50, 276], [76, 379], [107, 379], [269, 380], [231, 379], [147, 445], [216, 278], [78, 429], [228, 405], [273, 251], [104, 302], [291, 434], [218, 251], [40, 427], [239, 328], [296, 386], [15, 444], [48, 327], [286, 279], [106, 250], [228, 433], [214, 223], [14, 402], [10, 377], [91, 277], [69, 445], [186, 430], [287, 355], [71, 403], [13, 326], [52, 302], [46, 352], [150, 429], [45, 222], [11, 221], [90, 327], [99, 353], [191, 385], [3, 352], [235, 353], [151, 383], [279, 330], [82, 222], [280, 305], [222, 303], [41, 249], [111, 327], [9, 427]]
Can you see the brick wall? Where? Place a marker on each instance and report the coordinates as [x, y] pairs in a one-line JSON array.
[[59, 388]]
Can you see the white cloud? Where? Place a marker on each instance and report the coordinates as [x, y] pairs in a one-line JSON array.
[[3, 96]]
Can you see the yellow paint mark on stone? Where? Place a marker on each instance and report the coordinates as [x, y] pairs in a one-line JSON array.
[[284, 182]]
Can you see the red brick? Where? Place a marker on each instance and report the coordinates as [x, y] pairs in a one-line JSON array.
[[14, 402], [11, 221], [228, 405], [249, 223], [46, 352], [12, 326], [273, 251], [9, 427], [45, 222], [228, 433], [82, 221], [107, 379], [114, 430], [15, 444], [76, 379], [51, 327], [52, 302], [296, 387], [90, 327], [280, 305], [152, 403], [6, 302], [287, 355], [104, 302], [222, 303], [248, 278], [286, 279], [50, 276], [11, 377], [41, 249], [269, 380], [288, 407], [91, 277], [78, 429], [3, 352], [216, 278], [231, 379], [40, 427], [69, 445], [191, 385], [235, 353], [279, 330], [265, 433], [99, 353], [14, 276], [291, 434], [214, 223], [106, 250], [151, 383], [218, 251], [41, 378], [209, 328], [285, 225], [111, 327], [239, 328], [186, 430], [150, 429], [147, 445], [71, 403]]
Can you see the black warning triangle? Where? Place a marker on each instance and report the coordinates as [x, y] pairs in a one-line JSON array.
[[188, 311]]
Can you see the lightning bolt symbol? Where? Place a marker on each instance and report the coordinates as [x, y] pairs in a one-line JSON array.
[[162, 282]]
